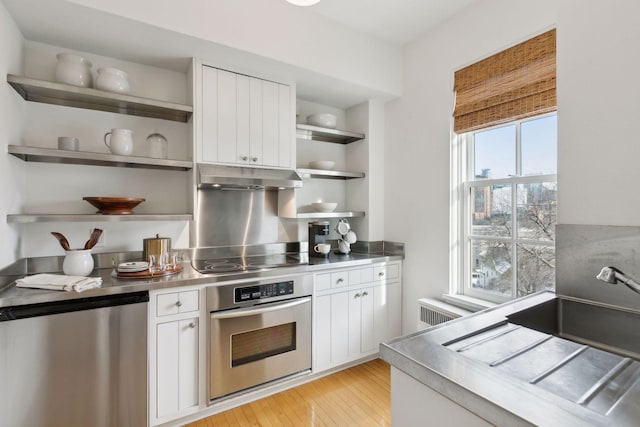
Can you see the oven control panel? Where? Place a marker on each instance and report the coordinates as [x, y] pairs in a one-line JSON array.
[[249, 293]]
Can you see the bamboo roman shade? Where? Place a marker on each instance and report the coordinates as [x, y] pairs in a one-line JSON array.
[[516, 83]]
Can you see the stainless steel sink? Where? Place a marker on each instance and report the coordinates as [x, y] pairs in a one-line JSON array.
[[612, 329], [586, 353]]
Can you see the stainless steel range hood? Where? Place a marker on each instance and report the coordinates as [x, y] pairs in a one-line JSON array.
[[218, 176]]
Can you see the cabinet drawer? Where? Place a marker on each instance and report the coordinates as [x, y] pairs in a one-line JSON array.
[[323, 282], [386, 272], [340, 279], [177, 302], [366, 275]]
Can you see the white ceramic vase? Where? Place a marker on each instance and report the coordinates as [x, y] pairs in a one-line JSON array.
[[78, 262], [73, 70], [112, 80]]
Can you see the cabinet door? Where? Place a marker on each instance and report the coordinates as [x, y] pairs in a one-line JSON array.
[[177, 366], [322, 333], [255, 125], [243, 135], [387, 309], [339, 330], [355, 321], [227, 116], [270, 124], [285, 127], [368, 339], [209, 114]]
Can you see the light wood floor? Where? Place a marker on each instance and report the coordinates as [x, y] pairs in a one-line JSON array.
[[358, 396]]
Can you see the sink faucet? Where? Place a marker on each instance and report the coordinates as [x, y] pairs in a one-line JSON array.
[[613, 275]]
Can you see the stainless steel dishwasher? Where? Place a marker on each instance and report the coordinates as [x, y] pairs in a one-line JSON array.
[[80, 362]]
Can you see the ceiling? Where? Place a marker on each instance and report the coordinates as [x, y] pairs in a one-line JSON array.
[[395, 21], [68, 23]]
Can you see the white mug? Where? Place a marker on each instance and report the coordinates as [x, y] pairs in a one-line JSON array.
[[121, 141], [68, 143], [350, 237], [322, 248], [343, 227], [344, 246]]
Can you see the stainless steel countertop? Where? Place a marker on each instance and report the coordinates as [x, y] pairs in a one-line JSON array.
[[434, 358], [10, 295]]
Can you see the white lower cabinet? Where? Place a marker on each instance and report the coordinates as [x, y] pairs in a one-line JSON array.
[[174, 337], [177, 366], [351, 321]]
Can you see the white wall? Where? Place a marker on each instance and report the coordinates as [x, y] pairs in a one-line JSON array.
[[598, 112], [275, 30], [11, 120], [417, 140]]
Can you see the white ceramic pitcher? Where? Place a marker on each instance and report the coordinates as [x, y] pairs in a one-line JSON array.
[[121, 141]]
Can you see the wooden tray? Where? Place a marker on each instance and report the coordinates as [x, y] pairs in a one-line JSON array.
[[146, 274]]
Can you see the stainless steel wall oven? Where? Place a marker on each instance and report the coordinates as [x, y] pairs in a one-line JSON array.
[[259, 331]]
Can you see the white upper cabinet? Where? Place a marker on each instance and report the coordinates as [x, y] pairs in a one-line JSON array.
[[246, 121]]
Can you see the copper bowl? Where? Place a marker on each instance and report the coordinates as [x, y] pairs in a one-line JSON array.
[[114, 205]]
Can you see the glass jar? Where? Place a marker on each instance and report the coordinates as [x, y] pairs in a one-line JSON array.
[[157, 146]]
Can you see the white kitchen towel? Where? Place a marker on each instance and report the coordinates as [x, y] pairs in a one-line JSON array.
[[59, 282]]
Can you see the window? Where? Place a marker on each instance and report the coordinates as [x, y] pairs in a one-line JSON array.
[[507, 209]]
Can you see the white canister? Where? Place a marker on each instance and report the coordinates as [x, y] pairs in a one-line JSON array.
[[78, 262], [112, 80], [73, 70], [120, 141]]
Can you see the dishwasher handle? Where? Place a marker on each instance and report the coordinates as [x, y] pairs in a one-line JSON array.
[[17, 312], [254, 311]]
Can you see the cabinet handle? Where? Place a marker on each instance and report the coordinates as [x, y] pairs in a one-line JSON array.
[[255, 159], [179, 303], [381, 274], [192, 325], [340, 280], [357, 296], [364, 294], [244, 158]]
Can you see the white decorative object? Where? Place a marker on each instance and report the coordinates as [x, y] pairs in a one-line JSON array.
[[324, 206], [112, 80], [73, 70], [323, 120], [157, 146], [120, 142], [68, 143], [78, 262], [322, 164]]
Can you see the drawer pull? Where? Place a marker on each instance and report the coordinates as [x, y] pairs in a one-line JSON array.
[[192, 325], [364, 294], [340, 280], [357, 295], [179, 303], [381, 274]]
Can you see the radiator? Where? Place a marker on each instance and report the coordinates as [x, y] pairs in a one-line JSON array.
[[433, 312]]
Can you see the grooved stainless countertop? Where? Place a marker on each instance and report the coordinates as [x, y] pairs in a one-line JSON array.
[[10, 295], [509, 374]]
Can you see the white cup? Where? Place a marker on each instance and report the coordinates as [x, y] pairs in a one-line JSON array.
[[68, 143], [344, 246], [322, 248], [121, 141], [350, 237], [343, 227]]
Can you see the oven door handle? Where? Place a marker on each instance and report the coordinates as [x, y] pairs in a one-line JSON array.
[[243, 312]]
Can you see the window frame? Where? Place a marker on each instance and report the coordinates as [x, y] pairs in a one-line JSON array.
[[463, 173]]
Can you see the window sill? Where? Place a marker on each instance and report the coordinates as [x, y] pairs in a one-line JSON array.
[[467, 302]]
